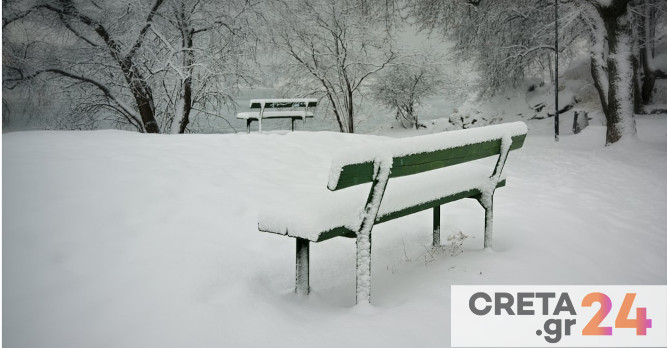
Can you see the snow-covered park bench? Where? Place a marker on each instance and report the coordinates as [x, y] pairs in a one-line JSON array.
[[425, 171], [294, 109]]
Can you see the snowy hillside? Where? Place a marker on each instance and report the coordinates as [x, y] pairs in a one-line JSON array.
[[119, 239]]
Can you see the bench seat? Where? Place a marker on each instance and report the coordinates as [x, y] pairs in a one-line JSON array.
[[312, 218], [254, 115]]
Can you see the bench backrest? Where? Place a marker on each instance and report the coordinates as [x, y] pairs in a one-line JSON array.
[[424, 153], [283, 103]]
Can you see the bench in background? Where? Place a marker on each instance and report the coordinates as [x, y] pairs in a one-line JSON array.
[[294, 109]]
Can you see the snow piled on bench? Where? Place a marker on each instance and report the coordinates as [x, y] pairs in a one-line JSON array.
[[426, 143], [289, 100], [306, 215], [274, 114]]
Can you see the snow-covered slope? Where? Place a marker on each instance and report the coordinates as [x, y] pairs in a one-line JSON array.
[[117, 239]]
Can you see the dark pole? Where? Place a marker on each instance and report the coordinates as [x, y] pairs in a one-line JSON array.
[[556, 75]]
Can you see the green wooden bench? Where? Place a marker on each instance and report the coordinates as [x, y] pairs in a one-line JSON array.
[[425, 171], [294, 109]]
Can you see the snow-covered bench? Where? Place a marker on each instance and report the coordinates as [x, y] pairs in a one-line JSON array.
[[282, 105], [425, 171]]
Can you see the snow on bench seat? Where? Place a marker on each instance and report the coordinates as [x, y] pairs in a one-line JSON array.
[[309, 214], [258, 102], [254, 115], [312, 215]]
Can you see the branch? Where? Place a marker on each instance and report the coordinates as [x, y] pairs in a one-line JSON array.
[[218, 116], [143, 31], [80, 36], [389, 60], [107, 93], [7, 21], [215, 25], [527, 50], [70, 11]]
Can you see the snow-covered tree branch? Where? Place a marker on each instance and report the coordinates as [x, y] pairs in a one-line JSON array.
[[153, 60]]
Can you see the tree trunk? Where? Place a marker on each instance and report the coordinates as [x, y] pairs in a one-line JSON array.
[[143, 96], [337, 115], [350, 111], [182, 116], [613, 72], [646, 31], [620, 117], [636, 85], [599, 58], [599, 73], [187, 104]]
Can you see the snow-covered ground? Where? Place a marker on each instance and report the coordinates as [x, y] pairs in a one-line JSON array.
[[118, 239]]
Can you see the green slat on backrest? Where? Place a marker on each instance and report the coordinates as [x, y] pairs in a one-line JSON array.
[[311, 104], [362, 172]]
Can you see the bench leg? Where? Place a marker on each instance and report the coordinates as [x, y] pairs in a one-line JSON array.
[[363, 267], [370, 213], [302, 266], [292, 124], [487, 203], [247, 124], [436, 226]]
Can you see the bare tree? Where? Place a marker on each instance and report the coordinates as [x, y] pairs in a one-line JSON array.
[[92, 45], [333, 47], [402, 87], [207, 49]]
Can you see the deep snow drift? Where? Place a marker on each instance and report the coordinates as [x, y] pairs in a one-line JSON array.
[[117, 239]]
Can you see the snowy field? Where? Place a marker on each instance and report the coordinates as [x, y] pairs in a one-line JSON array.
[[119, 239]]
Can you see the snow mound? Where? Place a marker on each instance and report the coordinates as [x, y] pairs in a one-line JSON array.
[[117, 239]]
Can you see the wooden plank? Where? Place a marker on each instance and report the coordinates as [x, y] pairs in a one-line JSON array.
[[360, 173], [473, 193], [336, 232], [343, 231]]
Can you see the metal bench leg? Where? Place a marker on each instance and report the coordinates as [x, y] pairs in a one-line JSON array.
[[486, 201], [488, 221], [247, 123], [370, 213], [436, 226], [363, 290], [292, 124], [302, 266]]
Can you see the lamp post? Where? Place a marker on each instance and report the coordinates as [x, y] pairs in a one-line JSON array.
[[556, 72]]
